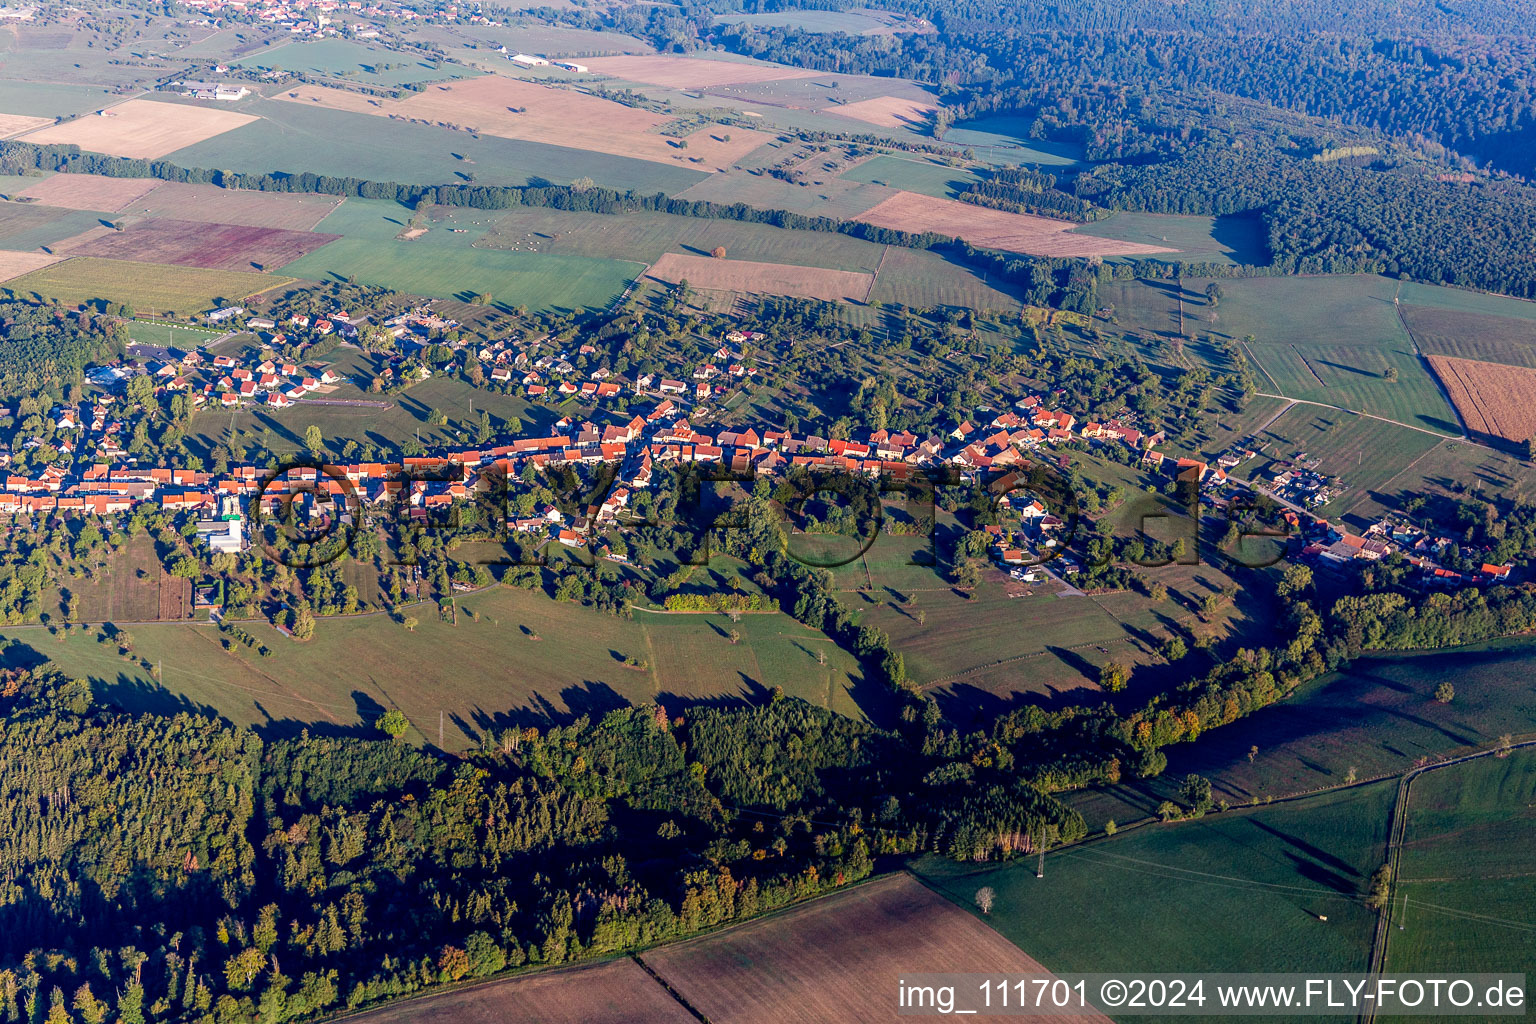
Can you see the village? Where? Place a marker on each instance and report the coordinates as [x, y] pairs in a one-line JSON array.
[[660, 430]]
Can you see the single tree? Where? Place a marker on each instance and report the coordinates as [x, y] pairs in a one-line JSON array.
[[1445, 693], [985, 897], [394, 724]]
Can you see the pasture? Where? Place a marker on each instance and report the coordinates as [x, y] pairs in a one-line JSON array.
[[1466, 870], [291, 211], [928, 177], [1235, 239], [89, 191], [48, 99], [1227, 892], [339, 58], [32, 226], [455, 270], [1368, 454], [1377, 716], [995, 229], [1325, 339], [144, 129], [920, 279], [1005, 138], [190, 243], [515, 656], [147, 287], [829, 197], [834, 960], [644, 237], [854, 21], [615, 992], [298, 137], [732, 275]]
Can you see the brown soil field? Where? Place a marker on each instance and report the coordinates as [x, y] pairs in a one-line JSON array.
[[513, 109], [142, 128], [994, 229], [1494, 400], [770, 278], [693, 73], [836, 960], [14, 264], [15, 124], [89, 191], [617, 992], [887, 112], [292, 211], [188, 243]]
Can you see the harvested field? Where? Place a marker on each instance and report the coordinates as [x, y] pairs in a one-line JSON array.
[[1492, 399], [89, 191], [887, 112], [617, 992], [15, 124], [995, 229], [292, 211], [836, 959], [512, 109], [190, 243], [143, 129], [769, 278], [693, 73], [14, 264]]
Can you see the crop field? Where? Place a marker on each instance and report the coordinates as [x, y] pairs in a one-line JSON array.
[[518, 657], [300, 137], [130, 587], [1227, 891], [143, 128], [1496, 401], [888, 112], [1232, 239], [1467, 870], [616, 992], [147, 287], [835, 959], [761, 278], [16, 124], [291, 211], [922, 279], [996, 229], [925, 176], [15, 264], [1367, 453], [89, 191], [190, 243], [451, 271], [339, 58], [644, 237], [513, 109], [693, 72]]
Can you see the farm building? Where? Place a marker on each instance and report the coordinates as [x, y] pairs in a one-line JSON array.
[[528, 61]]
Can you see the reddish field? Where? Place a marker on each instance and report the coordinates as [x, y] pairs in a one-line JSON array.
[[888, 112], [617, 992], [771, 278], [994, 229], [186, 243], [836, 960], [1492, 399]]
